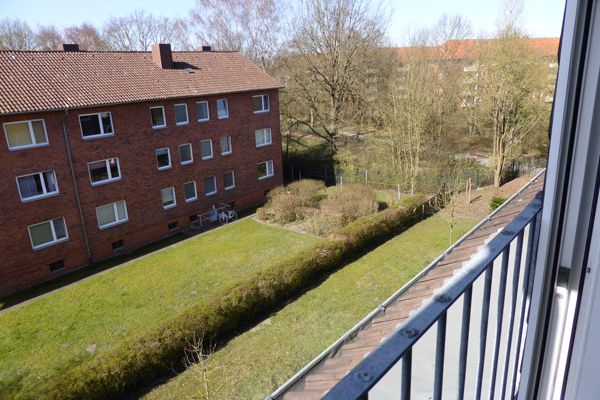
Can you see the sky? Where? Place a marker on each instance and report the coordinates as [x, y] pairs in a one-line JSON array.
[[541, 18]]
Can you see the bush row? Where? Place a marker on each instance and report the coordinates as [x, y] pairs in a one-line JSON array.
[[139, 360]]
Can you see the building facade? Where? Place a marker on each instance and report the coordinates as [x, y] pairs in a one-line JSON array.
[[107, 151]]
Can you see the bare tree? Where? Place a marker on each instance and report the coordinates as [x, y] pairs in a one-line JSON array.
[[333, 43], [48, 38], [254, 27], [15, 34], [137, 31], [86, 36], [199, 359], [447, 200]]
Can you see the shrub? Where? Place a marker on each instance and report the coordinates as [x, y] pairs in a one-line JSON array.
[[309, 191], [496, 202], [282, 208], [139, 360], [261, 213], [350, 202]]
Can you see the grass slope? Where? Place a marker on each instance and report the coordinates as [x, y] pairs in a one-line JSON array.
[[253, 364], [58, 331]]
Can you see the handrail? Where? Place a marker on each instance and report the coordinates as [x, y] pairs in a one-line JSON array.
[[363, 322], [370, 370]]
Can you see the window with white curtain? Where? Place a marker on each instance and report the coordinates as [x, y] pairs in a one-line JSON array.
[[168, 197], [37, 186], [25, 134], [104, 171], [48, 233], [263, 137], [111, 214]]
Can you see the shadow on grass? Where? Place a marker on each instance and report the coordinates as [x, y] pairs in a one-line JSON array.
[[93, 269]]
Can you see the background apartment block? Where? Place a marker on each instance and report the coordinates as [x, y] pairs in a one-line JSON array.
[[106, 151]]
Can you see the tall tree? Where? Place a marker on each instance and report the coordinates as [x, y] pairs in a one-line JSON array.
[[48, 38], [87, 36], [329, 62], [254, 27], [137, 31], [15, 34]]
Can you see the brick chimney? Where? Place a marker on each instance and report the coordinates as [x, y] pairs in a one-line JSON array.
[[162, 55], [68, 47]]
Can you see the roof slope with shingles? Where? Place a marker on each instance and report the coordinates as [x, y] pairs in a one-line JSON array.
[[49, 80]]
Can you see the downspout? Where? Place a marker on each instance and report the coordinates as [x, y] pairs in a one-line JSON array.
[[88, 251]]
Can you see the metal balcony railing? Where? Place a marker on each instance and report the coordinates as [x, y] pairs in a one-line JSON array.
[[485, 359]]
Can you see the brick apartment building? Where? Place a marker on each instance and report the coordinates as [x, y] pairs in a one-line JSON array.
[[106, 151]]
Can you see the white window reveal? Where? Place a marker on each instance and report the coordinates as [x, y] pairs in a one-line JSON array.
[[37, 186], [96, 125], [260, 103], [104, 171], [265, 169], [111, 214], [210, 185], [158, 117], [222, 109], [229, 180], [206, 150], [163, 158], [25, 134], [168, 197], [263, 137], [189, 191], [202, 111], [185, 154], [181, 114], [226, 145], [48, 233]]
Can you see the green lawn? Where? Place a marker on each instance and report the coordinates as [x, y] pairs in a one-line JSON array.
[[256, 362], [53, 333]]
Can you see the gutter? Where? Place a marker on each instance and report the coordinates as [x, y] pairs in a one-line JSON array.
[[88, 251], [381, 308]]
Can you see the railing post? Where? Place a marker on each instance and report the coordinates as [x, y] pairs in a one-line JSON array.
[[464, 342], [485, 310], [440, 349], [499, 319], [406, 375]]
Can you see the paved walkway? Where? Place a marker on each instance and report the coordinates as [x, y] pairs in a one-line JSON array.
[[330, 371]]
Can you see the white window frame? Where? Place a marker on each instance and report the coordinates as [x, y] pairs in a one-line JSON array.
[[207, 111], [187, 115], [262, 102], [117, 221], [39, 196], [233, 179], [226, 109], [102, 133], [195, 191], [170, 160], [31, 135], [267, 163], [174, 198], [263, 130], [226, 153], [212, 152], [164, 118], [55, 240], [215, 181], [109, 180], [190, 161]]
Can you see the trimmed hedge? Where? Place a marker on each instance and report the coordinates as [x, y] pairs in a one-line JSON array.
[[138, 360]]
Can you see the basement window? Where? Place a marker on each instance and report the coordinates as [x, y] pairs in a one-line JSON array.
[[57, 265], [172, 226], [158, 117], [118, 245], [96, 125]]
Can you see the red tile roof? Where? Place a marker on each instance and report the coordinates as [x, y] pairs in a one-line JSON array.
[[50, 80]]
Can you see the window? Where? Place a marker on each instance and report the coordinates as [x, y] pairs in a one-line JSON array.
[[202, 111], [163, 158], [226, 145], [168, 197], [48, 233], [25, 134], [260, 103], [96, 125], [111, 214], [37, 186], [265, 169], [229, 179], [181, 114], [158, 117], [210, 185], [172, 226], [263, 137], [206, 151], [222, 109], [118, 245], [189, 191], [104, 171], [185, 154], [56, 265]]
